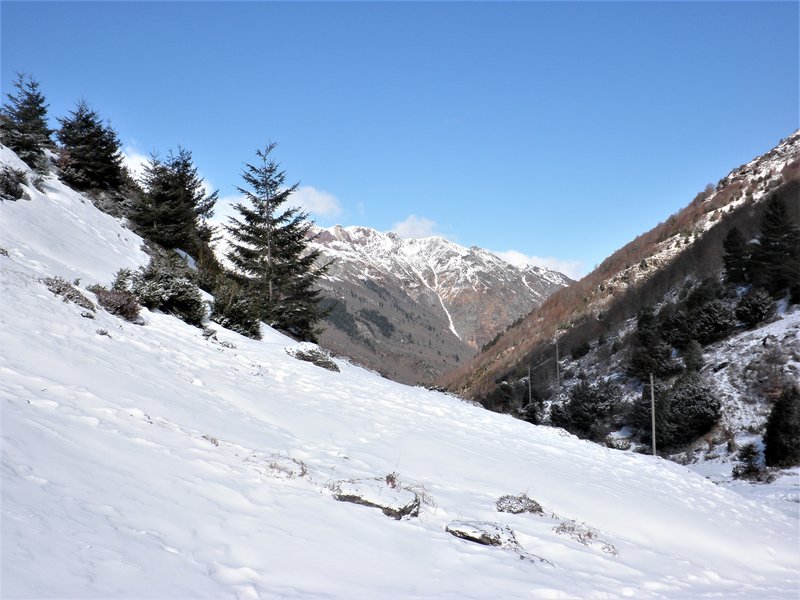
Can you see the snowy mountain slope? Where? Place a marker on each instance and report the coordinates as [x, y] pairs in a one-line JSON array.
[[414, 308], [646, 261], [156, 462]]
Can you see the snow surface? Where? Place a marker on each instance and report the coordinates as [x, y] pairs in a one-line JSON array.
[[153, 462]]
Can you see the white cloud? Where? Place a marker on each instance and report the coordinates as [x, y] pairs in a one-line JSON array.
[[134, 161], [416, 227], [316, 202], [574, 269]]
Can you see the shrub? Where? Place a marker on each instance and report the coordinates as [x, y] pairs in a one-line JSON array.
[[694, 409], [755, 307], [518, 504], [235, 309], [121, 303], [11, 181], [166, 284], [590, 409], [64, 289], [782, 437], [692, 356], [748, 466]]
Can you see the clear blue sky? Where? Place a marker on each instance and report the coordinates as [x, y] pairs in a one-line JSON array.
[[557, 130]]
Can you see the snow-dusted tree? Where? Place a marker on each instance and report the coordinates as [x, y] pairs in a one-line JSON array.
[[90, 151], [23, 122], [175, 207], [269, 249]]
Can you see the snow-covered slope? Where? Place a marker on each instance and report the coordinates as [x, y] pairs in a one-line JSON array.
[[415, 308], [156, 462]]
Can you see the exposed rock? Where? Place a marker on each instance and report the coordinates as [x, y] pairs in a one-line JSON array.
[[384, 493], [483, 532]]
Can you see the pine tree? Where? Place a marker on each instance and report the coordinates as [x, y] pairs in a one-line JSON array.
[[650, 353], [90, 154], [174, 209], [775, 262], [269, 250], [782, 437], [735, 257], [23, 122]]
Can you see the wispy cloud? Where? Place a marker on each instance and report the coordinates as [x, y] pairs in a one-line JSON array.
[[317, 203], [574, 269], [416, 227]]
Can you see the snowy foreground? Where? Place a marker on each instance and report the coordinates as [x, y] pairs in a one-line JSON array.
[[153, 462]]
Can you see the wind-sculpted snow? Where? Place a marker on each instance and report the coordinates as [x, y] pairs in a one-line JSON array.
[[156, 462]]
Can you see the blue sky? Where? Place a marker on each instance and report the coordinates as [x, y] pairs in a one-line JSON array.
[[558, 130]]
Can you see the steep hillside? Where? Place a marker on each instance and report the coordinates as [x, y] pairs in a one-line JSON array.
[[414, 309], [688, 244], [160, 460]]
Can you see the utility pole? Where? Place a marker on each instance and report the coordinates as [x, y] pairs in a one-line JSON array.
[[653, 411]]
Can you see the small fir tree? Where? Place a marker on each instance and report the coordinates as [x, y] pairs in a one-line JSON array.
[[735, 257], [782, 437], [755, 307], [269, 249], [692, 356], [23, 122], [90, 151], [175, 207], [650, 353]]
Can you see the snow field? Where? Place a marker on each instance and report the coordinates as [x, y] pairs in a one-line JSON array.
[[153, 462]]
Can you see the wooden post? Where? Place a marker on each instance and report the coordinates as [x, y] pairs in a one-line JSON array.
[[653, 411]]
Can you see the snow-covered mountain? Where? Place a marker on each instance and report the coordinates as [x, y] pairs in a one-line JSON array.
[[414, 308], [164, 461]]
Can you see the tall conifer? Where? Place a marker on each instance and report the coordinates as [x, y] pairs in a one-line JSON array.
[[90, 154], [23, 122], [269, 249]]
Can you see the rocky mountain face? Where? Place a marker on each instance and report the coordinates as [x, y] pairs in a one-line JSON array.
[[414, 309]]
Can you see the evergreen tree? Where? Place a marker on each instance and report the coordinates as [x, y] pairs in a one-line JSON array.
[[735, 257], [90, 154], [692, 356], [650, 353], [23, 122], [782, 438], [269, 249], [775, 262], [175, 207]]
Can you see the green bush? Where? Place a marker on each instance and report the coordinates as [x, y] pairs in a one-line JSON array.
[[167, 284], [755, 307], [11, 181], [235, 309]]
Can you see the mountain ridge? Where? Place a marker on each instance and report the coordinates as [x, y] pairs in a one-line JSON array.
[[442, 300]]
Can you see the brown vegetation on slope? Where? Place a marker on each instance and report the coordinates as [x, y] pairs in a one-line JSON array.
[[633, 276]]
